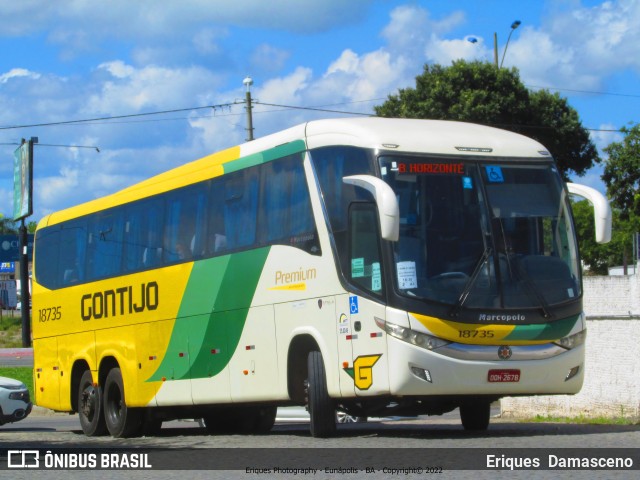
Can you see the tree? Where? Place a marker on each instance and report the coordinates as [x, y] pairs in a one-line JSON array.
[[599, 257], [7, 226], [479, 92], [622, 172]]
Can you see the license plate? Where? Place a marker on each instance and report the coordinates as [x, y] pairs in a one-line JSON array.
[[504, 375]]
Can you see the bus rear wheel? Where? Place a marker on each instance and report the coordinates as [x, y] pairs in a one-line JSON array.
[[475, 415], [121, 420], [322, 411], [90, 406]]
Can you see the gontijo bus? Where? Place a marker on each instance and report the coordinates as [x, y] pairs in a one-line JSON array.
[[371, 266]]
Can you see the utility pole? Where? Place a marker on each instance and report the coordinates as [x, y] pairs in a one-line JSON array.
[[22, 208], [248, 81]]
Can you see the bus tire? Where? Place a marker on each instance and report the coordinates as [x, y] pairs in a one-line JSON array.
[[90, 406], [121, 421], [475, 415], [322, 412]]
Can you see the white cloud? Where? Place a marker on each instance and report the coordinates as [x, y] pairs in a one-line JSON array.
[[179, 59], [268, 58], [127, 89], [580, 47], [145, 19], [17, 73]]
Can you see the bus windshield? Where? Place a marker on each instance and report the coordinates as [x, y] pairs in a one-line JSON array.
[[478, 234]]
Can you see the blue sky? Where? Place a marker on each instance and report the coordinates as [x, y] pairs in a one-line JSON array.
[[83, 59]]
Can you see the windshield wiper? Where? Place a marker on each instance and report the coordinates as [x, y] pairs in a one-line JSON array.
[[470, 283], [532, 288]]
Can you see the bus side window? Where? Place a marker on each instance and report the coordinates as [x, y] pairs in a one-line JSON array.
[[105, 238], [286, 216], [72, 252], [185, 229], [241, 208], [217, 238], [48, 242], [143, 235]]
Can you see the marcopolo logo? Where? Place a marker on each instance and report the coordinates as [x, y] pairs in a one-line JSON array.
[[488, 317]]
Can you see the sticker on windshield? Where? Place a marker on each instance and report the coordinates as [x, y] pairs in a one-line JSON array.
[[494, 174], [407, 277], [357, 267], [467, 183], [376, 277]]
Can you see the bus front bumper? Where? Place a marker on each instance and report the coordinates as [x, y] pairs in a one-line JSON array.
[[421, 372]]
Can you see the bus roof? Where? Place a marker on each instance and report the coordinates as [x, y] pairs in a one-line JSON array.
[[401, 135]]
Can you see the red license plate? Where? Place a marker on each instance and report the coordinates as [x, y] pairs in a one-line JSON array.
[[504, 375]]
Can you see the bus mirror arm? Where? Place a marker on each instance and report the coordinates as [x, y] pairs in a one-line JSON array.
[[601, 209], [385, 198]]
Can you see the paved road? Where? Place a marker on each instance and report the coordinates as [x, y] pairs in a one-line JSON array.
[[16, 357], [45, 430], [422, 435]]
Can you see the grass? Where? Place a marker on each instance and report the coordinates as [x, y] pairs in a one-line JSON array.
[[10, 329], [24, 374], [582, 420]]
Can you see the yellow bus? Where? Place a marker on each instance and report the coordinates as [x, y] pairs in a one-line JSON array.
[[369, 266]]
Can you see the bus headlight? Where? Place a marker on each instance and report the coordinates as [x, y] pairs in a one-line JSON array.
[[572, 341], [418, 339]]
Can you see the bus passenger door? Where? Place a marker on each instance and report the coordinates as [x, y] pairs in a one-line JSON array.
[[367, 369], [369, 355]]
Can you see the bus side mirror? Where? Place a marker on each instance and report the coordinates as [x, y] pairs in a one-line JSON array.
[[385, 198], [601, 209]]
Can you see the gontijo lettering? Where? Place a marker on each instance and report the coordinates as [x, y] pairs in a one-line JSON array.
[[121, 301]]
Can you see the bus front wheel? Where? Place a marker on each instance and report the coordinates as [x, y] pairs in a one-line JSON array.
[[321, 406], [90, 406], [121, 421], [475, 415]]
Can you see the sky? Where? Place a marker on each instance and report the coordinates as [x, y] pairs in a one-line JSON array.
[[85, 60]]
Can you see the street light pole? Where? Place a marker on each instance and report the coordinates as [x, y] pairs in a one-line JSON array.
[[514, 25], [248, 81]]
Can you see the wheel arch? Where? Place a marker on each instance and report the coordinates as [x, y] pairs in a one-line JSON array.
[[106, 364], [297, 371], [78, 369]]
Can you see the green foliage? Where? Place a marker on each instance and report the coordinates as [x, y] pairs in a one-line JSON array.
[[7, 226], [622, 172], [10, 329], [583, 420], [479, 92], [599, 257]]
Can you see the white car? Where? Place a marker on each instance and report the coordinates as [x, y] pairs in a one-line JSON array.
[[15, 403]]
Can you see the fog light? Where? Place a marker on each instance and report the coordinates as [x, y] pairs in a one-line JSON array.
[[572, 373], [422, 373]]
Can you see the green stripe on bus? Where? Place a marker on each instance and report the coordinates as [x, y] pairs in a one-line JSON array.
[[544, 331], [212, 315], [280, 151]]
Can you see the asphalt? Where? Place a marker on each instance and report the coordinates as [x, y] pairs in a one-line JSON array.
[[16, 357]]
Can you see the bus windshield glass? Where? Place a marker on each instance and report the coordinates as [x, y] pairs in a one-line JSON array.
[[478, 234]]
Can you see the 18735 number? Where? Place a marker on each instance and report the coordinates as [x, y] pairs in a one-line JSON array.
[[49, 314]]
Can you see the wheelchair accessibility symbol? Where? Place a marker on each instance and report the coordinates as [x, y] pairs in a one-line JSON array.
[[353, 305], [494, 174]]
